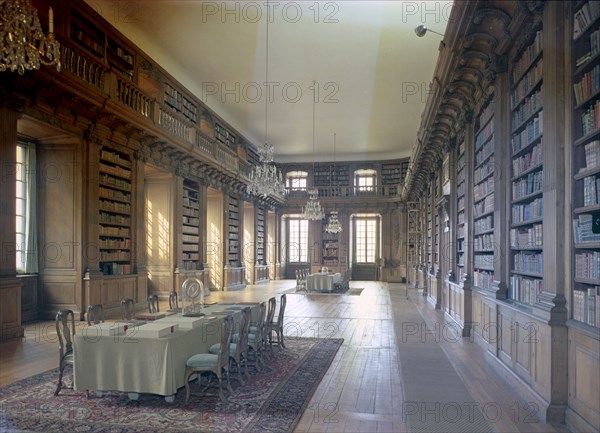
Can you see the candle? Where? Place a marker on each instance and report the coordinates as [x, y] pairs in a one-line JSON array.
[[50, 21]]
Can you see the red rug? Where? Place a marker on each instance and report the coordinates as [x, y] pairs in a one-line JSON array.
[[271, 401]]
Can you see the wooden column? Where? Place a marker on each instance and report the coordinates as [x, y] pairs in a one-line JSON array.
[[10, 286]]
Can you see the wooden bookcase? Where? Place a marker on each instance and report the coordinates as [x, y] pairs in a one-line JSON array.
[[483, 198], [429, 215], [585, 299], [190, 240], [328, 174], [225, 137], [392, 176], [413, 233], [233, 233], [177, 101], [96, 42], [114, 209], [260, 235], [331, 246], [526, 273], [461, 179]]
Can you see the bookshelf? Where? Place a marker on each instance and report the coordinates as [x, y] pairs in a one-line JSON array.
[[180, 103], [585, 299], [190, 240], [331, 246], [326, 175], [233, 232], [392, 176], [114, 209], [428, 210], [105, 48], [483, 198], [413, 233], [461, 178], [260, 235], [526, 243], [225, 137]]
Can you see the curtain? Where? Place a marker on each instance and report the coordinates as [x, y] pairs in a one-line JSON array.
[[31, 247]]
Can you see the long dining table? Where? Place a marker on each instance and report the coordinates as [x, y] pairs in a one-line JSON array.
[[138, 362]]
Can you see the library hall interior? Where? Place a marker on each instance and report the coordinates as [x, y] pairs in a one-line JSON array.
[[299, 217]]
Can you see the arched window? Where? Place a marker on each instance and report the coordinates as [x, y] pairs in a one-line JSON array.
[[296, 180], [365, 180]]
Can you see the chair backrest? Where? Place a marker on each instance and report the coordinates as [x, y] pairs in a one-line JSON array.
[[243, 340], [260, 325], [95, 314], [282, 303], [226, 332], [271, 310], [127, 309], [173, 301], [153, 304], [64, 332]]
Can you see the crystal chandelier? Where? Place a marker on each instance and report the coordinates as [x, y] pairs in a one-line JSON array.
[[24, 45], [333, 225], [265, 179], [312, 209]]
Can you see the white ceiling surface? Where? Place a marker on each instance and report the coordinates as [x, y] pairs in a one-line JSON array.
[[372, 71]]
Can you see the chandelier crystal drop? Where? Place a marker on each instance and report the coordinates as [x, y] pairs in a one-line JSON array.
[[333, 225], [313, 210], [24, 45]]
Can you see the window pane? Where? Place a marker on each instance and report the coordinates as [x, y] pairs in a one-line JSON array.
[[298, 240]]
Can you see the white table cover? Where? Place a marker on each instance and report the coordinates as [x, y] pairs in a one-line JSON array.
[[322, 282]]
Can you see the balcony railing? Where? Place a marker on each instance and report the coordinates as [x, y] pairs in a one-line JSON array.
[[343, 192]]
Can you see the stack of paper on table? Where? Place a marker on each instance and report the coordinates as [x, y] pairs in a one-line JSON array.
[[107, 329], [149, 316], [184, 322], [152, 330]]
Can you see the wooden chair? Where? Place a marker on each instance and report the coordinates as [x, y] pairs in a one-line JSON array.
[[266, 335], [238, 347], [95, 314], [153, 306], [277, 327], [127, 309], [218, 364], [65, 343], [173, 301], [256, 347]]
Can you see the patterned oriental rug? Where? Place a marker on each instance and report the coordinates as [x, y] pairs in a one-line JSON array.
[[271, 401]]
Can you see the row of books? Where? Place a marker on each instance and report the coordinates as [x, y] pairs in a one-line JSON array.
[[113, 231], [583, 17], [191, 230], [483, 224], [484, 170], [190, 239], [190, 256], [527, 290], [115, 256], [484, 242], [586, 306], [591, 191], [115, 244], [588, 86], [113, 268], [486, 150], [485, 261], [527, 84], [526, 261], [527, 185], [530, 133], [532, 51], [486, 114], [108, 180], [484, 134], [190, 202], [109, 156], [594, 49], [529, 160], [108, 218], [527, 108], [484, 188], [483, 279], [582, 230], [115, 195], [587, 265], [590, 119], [526, 237], [526, 212], [591, 152], [484, 206], [113, 206]]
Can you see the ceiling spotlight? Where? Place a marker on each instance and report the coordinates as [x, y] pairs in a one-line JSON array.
[[421, 29]]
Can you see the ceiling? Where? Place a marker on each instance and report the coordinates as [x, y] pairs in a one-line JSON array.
[[372, 72]]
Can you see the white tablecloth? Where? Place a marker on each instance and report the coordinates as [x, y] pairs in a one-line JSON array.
[[144, 364], [322, 282]]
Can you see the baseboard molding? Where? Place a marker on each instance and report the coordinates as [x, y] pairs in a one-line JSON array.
[[576, 423]]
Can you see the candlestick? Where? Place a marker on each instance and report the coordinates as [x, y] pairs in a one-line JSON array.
[[50, 21]]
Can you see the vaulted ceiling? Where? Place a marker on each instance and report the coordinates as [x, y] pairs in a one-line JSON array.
[[372, 72]]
